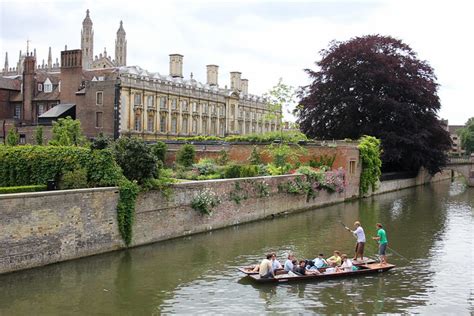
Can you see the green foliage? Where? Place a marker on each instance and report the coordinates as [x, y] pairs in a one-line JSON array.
[[211, 176], [324, 162], [126, 208], [73, 179], [247, 171], [102, 170], [162, 184], [223, 158], [13, 138], [280, 97], [369, 149], [238, 193], [268, 137], [186, 155], [23, 188], [159, 150], [101, 142], [262, 189], [39, 135], [206, 166], [255, 158], [276, 171], [283, 154], [135, 158], [232, 171], [467, 136], [205, 201], [67, 132]]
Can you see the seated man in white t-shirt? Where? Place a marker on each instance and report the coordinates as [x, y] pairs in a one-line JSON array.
[[346, 265]]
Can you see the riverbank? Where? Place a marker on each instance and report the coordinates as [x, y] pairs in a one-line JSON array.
[[48, 227]]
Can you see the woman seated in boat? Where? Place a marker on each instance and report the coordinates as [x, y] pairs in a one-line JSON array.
[[346, 265], [276, 265], [320, 262], [335, 260], [301, 269], [289, 263]]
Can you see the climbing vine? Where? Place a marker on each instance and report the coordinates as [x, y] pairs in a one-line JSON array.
[[126, 208], [369, 149]]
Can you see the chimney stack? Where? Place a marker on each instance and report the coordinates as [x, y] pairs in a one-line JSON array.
[[71, 58], [212, 75], [244, 84], [235, 80], [176, 65]]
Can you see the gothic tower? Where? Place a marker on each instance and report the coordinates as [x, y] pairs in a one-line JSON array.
[[121, 47], [87, 42]]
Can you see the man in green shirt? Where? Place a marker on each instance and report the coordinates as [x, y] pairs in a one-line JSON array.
[[382, 239]]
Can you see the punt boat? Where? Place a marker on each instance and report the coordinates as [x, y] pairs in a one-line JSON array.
[[363, 269]]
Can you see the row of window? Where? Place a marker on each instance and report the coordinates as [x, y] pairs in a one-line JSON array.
[[205, 129]]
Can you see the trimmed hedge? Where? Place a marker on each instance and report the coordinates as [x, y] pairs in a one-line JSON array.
[[23, 188]]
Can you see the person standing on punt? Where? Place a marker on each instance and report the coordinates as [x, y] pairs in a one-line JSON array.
[[360, 244], [383, 242]]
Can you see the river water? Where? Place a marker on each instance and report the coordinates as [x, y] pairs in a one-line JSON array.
[[431, 226]]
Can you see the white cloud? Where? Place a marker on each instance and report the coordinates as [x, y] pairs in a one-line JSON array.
[[263, 40]]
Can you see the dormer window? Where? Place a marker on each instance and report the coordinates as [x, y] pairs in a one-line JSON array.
[[40, 87], [48, 86]]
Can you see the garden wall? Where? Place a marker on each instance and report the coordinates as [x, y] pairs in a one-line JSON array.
[[240, 152], [42, 228]]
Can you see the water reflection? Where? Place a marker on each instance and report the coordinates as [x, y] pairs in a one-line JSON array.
[[429, 225]]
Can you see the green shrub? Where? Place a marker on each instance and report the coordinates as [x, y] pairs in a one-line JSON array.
[[13, 138], [24, 188], [324, 162], [247, 171], [211, 176], [73, 179], [67, 132], [159, 151], [135, 158], [126, 208], [369, 149], [186, 155], [205, 166], [223, 158], [102, 170], [101, 142], [39, 135], [255, 158], [231, 171]]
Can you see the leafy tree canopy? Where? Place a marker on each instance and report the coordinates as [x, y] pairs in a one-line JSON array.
[[376, 85], [67, 132], [467, 136]]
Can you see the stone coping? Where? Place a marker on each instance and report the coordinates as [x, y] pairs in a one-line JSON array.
[[55, 192]]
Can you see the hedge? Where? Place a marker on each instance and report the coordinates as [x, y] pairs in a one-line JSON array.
[[23, 188]]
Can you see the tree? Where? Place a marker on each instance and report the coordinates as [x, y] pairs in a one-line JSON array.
[[39, 135], [376, 85], [101, 141], [13, 138], [135, 158], [186, 155], [467, 136], [67, 132], [280, 97]]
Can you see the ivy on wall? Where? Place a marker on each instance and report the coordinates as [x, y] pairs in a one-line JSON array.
[[369, 149]]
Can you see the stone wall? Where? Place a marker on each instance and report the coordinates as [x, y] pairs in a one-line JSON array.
[[46, 227]]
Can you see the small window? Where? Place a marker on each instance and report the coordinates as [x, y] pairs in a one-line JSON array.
[[40, 87], [174, 104], [150, 102], [40, 109], [99, 98], [151, 123], [17, 113], [195, 124], [22, 139], [138, 122], [163, 102], [137, 99], [174, 125], [98, 119], [352, 166], [163, 124], [184, 128]]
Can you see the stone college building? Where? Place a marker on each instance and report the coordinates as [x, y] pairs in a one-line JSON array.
[[108, 96]]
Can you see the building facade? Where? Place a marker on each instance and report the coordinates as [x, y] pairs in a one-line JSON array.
[[116, 99]]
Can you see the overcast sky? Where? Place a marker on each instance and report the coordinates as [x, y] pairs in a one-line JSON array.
[[264, 40]]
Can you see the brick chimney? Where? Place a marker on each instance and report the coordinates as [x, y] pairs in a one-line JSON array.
[[29, 68], [71, 74]]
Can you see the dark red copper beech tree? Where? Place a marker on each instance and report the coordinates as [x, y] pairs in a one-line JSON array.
[[375, 85]]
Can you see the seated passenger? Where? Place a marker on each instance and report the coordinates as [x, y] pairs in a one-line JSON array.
[[301, 269], [320, 262], [335, 260], [275, 263], [346, 264], [288, 263], [265, 269]]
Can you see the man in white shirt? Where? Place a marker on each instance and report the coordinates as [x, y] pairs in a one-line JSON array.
[[359, 233], [265, 269]]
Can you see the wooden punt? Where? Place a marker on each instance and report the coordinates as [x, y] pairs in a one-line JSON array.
[[363, 270], [248, 270]]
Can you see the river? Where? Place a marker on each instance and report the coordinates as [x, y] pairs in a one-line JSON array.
[[431, 226]]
